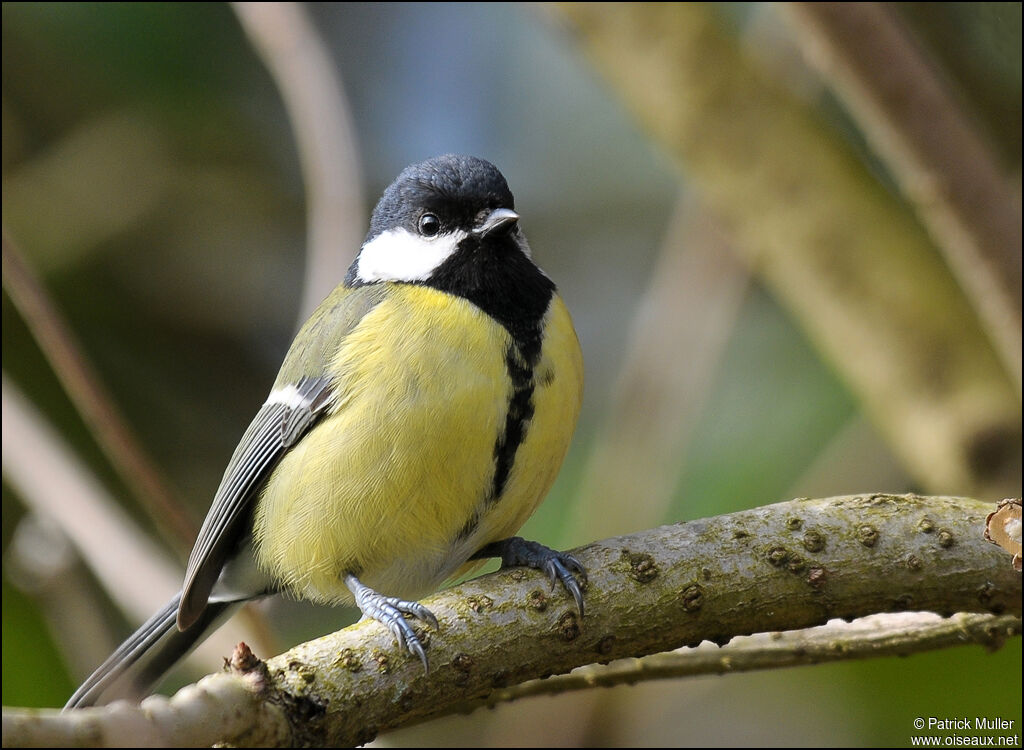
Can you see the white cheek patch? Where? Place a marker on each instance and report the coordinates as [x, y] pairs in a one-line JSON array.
[[398, 255]]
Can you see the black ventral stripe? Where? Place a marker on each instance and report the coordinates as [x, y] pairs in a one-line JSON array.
[[517, 417], [520, 411]]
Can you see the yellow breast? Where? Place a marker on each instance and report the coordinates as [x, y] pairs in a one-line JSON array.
[[385, 485]]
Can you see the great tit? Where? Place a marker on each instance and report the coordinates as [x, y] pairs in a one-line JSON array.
[[419, 418]]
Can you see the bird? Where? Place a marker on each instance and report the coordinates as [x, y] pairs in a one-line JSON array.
[[419, 417]]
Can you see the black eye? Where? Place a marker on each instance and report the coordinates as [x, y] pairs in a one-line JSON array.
[[429, 225]]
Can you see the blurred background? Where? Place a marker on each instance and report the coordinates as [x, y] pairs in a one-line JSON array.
[[743, 345]]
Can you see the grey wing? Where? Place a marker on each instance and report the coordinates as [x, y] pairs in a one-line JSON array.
[[278, 425]]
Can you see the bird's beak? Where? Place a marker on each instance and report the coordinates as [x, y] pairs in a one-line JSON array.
[[500, 219]]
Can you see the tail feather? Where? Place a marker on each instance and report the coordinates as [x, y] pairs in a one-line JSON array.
[[149, 652]]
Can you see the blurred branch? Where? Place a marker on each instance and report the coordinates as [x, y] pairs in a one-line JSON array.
[[969, 206], [787, 566], [91, 400], [852, 264], [679, 330], [104, 176], [51, 481], [41, 562], [314, 98]]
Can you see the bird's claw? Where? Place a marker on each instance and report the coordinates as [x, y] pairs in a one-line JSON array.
[[559, 566], [390, 611]]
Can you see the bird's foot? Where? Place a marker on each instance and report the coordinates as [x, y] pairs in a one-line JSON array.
[[390, 611], [559, 566]]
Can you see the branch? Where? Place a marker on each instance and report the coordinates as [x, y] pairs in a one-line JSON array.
[[782, 567], [314, 98], [868, 637]]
